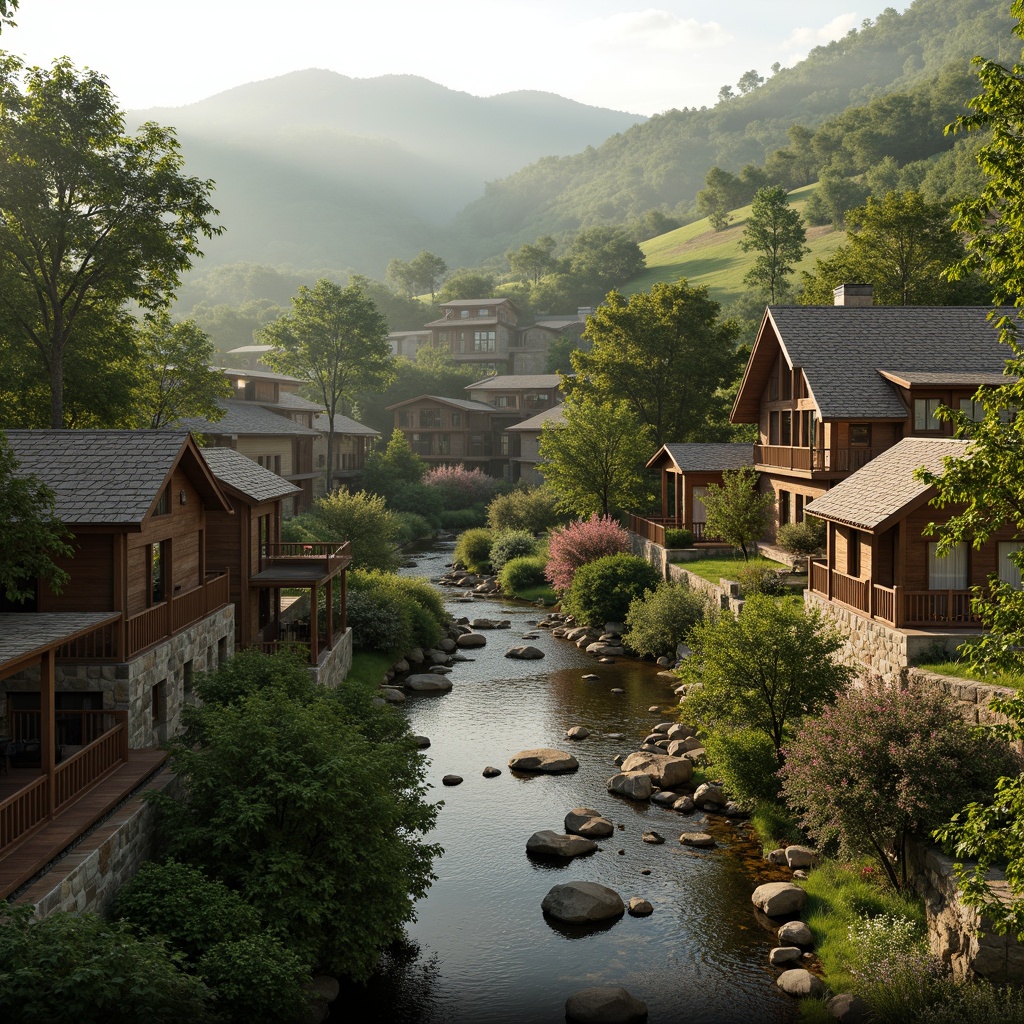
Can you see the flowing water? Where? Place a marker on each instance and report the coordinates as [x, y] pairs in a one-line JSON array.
[[486, 953]]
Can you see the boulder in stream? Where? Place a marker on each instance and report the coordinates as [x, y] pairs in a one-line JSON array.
[[553, 844], [604, 1004], [583, 902], [585, 821], [543, 759]]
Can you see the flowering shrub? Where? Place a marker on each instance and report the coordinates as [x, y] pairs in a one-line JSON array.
[[580, 542], [880, 764], [461, 487]]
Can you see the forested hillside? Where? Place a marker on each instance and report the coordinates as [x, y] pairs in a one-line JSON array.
[[887, 89]]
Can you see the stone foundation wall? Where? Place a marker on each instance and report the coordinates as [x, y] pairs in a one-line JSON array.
[[90, 875], [971, 697], [335, 663], [129, 686]]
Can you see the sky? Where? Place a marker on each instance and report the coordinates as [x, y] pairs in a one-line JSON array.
[[608, 53]]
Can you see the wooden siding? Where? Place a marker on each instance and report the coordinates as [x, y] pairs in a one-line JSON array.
[[91, 583]]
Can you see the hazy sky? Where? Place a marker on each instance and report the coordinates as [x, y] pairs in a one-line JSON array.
[[610, 53]]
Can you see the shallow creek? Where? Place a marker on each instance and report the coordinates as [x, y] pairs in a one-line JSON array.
[[486, 953]]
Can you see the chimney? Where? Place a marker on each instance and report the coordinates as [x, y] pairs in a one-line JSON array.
[[853, 295]]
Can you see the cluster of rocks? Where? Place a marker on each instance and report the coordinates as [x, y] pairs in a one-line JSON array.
[[473, 584], [603, 644]]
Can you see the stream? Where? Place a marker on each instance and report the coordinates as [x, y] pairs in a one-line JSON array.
[[481, 950]]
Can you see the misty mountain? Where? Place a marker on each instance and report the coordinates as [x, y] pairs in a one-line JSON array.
[[316, 168]]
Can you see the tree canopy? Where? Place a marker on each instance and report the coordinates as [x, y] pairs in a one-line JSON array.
[[737, 512], [775, 231], [666, 353], [90, 217]]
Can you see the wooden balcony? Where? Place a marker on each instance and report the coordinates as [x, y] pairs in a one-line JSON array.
[[297, 564], [652, 528], [119, 641], [813, 460], [902, 609]]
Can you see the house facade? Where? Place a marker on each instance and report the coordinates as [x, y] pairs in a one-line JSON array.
[[450, 430], [524, 444], [352, 444]]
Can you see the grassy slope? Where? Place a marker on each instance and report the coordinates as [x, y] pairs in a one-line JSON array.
[[714, 258]]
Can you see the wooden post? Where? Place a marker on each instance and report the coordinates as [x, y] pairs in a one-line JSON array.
[[47, 738], [314, 636], [330, 612]]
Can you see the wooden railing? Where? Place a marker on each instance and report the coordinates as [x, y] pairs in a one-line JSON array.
[[652, 530], [782, 456], [187, 608], [827, 460], [931, 607], [818, 581], [23, 811], [883, 603], [333, 554], [99, 645], [91, 763], [850, 590], [73, 726]]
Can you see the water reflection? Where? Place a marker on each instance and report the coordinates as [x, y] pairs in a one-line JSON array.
[[487, 954]]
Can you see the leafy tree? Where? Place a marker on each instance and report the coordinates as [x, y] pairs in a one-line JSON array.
[[881, 764], [582, 541], [532, 262], [603, 590], [401, 276], [658, 622], [90, 218], [721, 193], [459, 487], [30, 532], [336, 339], [175, 375], [358, 517], [511, 544], [804, 538], [533, 509], [428, 270], [396, 466], [775, 231], [605, 257], [77, 967], [749, 81], [594, 459], [834, 197], [725, 93], [737, 512], [665, 354], [467, 284], [763, 669], [473, 550], [311, 804]]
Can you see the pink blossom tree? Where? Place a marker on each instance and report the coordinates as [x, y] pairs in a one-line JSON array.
[[582, 541], [461, 487]]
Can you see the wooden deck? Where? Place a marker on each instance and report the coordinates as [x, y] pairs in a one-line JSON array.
[[23, 860]]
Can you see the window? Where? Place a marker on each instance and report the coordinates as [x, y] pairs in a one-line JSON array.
[[404, 419], [924, 413], [860, 435], [456, 419], [972, 410], [505, 402], [483, 341], [773, 428], [853, 554], [158, 696], [786, 435], [163, 503], [1009, 562], [950, 572], [321, 461], [157, 570], [464, 313], [799, 516], [430, 418], [444, 444], [483, 311], [783, 507], [787, 382]]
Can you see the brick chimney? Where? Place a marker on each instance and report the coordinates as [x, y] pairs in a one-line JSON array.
[[853, 295]]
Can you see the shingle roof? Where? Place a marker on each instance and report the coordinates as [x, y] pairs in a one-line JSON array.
[[248, 349], [469, 321], [496, 301], [290, 400], [246, 418], [554, 416], [99, 476], [261, 375], [842, 350], [459, 403], [707, 458], [26, 634], [945, 378], [247, 476], [516, 381], [871, 498], [344, 425]]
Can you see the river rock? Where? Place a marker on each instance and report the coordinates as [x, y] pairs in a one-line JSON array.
[[667, 772], [553, 844], [591, 677], [696, 755], [585, 821], [604, 1004], [617, 689], [452, 780], [776, 857], [615, 628], [428, 682], [634, 785], [654, 838], [639, 907], [582, 902], [577, 732], [543, 759], [848, 1008], [801, 857], [701, 840], [779, 899], [479, 624], [415, 656], [662, 728], [491, 773], [421, 742], [684, 805], [709, 793], [681, 731], [666, 797], [795, 933], [524, 653], [801, 983], [471, 640], [393, 695], [447, 645], [401, 667], [784, 955]]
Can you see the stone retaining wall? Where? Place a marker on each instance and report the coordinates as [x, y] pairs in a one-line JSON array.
[[335, 663], [90, 875]]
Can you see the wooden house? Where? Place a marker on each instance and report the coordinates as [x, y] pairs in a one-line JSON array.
[[480, 332], [524, 445], [352, 443], [450, 430], [880, 561]]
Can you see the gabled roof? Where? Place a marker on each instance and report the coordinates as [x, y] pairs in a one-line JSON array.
[[553, 416], [885, 490], [110, 477], [250, 349], [248, 478], [289, 400], [703, 458], [458, 403], [246, 418], [469, 321], [496, 301], [844, 350], [517, 382], [344, 425]]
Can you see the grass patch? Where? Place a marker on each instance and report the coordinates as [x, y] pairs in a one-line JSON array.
[[774, 826], [963, 670], [715, 568], [535, 594], [840, 895], [368, 668]]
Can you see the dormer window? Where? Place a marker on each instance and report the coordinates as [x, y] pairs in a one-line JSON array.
[[464, 313], [483, 312], [925, 410]]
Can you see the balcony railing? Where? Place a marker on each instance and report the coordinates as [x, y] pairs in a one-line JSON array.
[[72, 726], [330, 554], [652, 528], [816, 460]]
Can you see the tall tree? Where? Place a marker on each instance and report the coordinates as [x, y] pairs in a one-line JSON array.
[[666, 353], [605, 256], [737, 512], [533, 261], [594, 459], [428, 270], [720, 194], [90, 218], [336, 339], [775, 231], [30, 532], [175, 375]]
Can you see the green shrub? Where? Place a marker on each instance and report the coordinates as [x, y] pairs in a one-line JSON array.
[[413, 527], [760, 579], [384, 597], [744, 760], [420, 499], [511, 544], [533, 509], [297, 530], [519, 574], [376, 624], [659, 621], [458, 519], [251, 670], [678, 538], [473, 550], [362, 518], [977, 1003], [602, 590], [806, 538]]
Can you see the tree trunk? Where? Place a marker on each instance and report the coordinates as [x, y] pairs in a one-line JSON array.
[[57, 387]]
